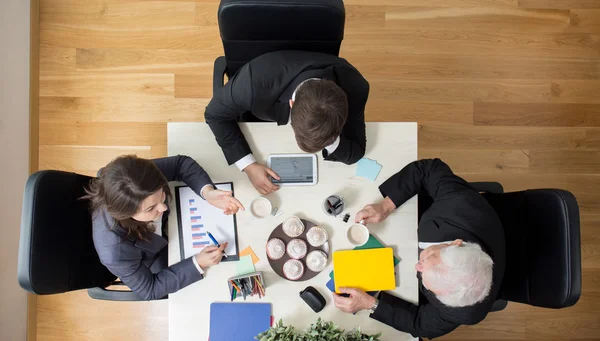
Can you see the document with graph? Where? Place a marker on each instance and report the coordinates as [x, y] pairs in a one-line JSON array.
[[195, 217]]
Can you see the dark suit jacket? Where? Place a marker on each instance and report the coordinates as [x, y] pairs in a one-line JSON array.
[[130, 258], [264, 87], [457, 212]]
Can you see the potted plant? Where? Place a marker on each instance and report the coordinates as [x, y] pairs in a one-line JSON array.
[[319, 331], [279, 332]]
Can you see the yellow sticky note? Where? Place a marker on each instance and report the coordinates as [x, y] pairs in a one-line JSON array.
[[368, 270], [249, 251]]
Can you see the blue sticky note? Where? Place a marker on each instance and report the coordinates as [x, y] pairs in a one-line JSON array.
[[330, 285], [368, 168]]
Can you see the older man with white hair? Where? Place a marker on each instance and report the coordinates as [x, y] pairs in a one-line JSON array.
[[462, 253]]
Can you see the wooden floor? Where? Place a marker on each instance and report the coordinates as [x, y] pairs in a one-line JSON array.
[[504, 90]]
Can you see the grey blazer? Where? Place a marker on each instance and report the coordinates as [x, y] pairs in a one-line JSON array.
[[130, 258]]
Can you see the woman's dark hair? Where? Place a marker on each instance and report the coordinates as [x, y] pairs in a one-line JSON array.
[[121, 187]]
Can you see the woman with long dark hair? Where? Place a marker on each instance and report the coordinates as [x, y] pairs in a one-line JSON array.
[[128, 199]]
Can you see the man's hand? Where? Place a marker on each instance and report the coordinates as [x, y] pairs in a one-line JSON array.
[[222, 199], [210, 255], [357, 301], [259, 176], [376, 213]]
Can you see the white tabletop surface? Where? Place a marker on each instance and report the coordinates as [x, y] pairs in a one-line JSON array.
[[393, 145]]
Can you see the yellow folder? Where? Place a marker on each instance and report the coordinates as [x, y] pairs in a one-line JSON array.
[[369, 270]]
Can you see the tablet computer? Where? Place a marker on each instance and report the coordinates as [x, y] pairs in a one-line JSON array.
[[294, 169]]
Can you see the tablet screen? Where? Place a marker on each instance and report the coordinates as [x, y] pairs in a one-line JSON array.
[[293, 169]]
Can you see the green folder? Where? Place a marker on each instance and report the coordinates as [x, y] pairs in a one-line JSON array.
[[372, 243]]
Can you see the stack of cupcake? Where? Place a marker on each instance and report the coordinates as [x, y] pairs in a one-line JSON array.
[[297, 249]]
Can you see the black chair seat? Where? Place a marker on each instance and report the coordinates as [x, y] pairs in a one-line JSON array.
[[543, 258], [56, 249]]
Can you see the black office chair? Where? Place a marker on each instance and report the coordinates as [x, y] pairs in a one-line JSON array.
[[543, 249], [56, 251], [250, 28]]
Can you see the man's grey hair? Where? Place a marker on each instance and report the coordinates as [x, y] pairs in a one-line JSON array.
[[464, 276]]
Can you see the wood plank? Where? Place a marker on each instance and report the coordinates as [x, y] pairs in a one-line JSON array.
[[117, 109], [590, 251], [87, 159], [80, 84], [34, 118], [500, 19], [435, 3], [144, 61], [592, 138], [438, 135], [480, 160], [566, 4], [193, 85], [206, 13], [537, 114], [496, 326], [487, 90], [103, 133], [397, 110], [364, 15], [546, 324], [182, 38], [470, 42], [56, 59], [120, 15], [62, 318], [584, 187], [586, 20], [565, 161], [411, 66]]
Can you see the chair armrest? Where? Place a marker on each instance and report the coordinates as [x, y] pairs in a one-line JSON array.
[[499, 305], [219, 72], [489, 187], [115, 295]]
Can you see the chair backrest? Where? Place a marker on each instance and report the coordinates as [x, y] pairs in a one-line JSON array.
[[543, 260], [250, 28], [56, 250]]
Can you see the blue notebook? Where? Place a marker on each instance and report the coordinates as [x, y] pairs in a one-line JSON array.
[[238, 321]]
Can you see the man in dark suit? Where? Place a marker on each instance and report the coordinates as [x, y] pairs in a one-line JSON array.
[[462, 253], [322, 95]]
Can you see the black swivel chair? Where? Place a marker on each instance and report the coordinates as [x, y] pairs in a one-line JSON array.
[[56, 251], [543, 250], [250, 28]]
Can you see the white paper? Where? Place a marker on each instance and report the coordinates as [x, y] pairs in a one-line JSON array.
[[199, 217]]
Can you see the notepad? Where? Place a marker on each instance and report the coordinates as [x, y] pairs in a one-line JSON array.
[[368, 270], [372, 243], [238, 321]]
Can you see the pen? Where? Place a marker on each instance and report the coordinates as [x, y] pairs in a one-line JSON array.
[[330, 206], [216, 242]]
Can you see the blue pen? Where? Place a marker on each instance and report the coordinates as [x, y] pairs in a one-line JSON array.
[[216, 242]]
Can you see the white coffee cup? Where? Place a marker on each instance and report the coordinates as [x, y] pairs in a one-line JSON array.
[[261, 207], [357, 234]]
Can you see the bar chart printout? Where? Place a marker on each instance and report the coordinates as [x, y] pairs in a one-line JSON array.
[[196, 217]]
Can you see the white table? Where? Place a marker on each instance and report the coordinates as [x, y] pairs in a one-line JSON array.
[[393, 145]]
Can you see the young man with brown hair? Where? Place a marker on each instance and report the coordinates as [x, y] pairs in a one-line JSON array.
[[322, 95]]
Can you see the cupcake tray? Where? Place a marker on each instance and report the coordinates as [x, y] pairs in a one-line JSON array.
[[277, 265]]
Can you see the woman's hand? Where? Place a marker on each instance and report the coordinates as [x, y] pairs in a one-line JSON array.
[[222, 199], [210, 255]]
